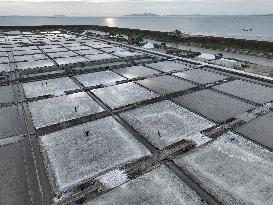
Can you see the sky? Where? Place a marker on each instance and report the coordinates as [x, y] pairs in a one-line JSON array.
[[123, 7]]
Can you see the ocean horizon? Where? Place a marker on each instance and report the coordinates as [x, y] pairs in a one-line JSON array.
[[252, 27]]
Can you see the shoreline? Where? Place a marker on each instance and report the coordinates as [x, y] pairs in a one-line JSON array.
[[233, 45], [248, 48], [205, 25], [242, 62]]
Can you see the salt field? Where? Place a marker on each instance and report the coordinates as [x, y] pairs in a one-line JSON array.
[[86, 120]]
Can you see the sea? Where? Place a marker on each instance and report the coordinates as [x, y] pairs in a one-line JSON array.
[[253, 27]]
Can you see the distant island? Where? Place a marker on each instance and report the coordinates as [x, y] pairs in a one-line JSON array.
[[56, 16], [141, 15]]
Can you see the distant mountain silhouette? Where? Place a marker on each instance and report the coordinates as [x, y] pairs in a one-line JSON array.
[[144, 14]]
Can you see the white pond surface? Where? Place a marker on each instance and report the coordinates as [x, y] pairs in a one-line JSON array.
[[165, 123], [60, 109], [74, 157], [233, 169], [158, 187], [123, 94], [105, 78], [56, 87]]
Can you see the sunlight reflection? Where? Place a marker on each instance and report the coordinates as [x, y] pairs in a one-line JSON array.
[[111, 22]]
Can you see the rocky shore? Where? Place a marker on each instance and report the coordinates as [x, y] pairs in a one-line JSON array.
[[240, 46], [218, 59], [262, 49], [138, 37]]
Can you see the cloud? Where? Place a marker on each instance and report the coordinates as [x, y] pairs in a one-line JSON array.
[[121, 7]]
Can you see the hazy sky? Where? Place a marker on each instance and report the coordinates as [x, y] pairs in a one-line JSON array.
[[121, 7]]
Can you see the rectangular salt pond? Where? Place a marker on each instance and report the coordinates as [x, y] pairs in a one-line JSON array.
[[30, 57], [136, 72], [7, 94], [5, 48], [158, 187], [166, 123], [112, 49], [2, 40], [26, 52], [45, 47], [60, 109], [77, 47], [23, 48], [248, 90], [259, 130], [168, 66], [232, 169], [124, 54], [98, 45], [54, 87], [62, 54], [90, 51], [3, 53], [123, 94], [55, 50], [14, 183], [4, 68], [201, 76], [105, 78], [69, 60], [99, 57], [34, 64], [4, 59], [73, 156], [166, 84], [213, 105], [10, 122]]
